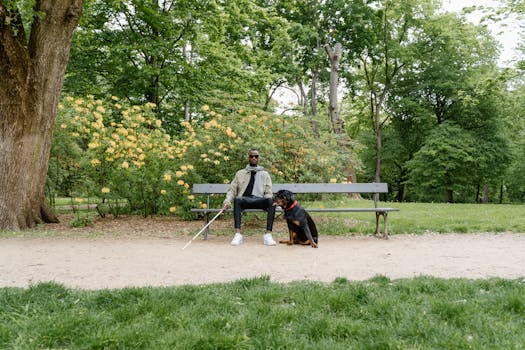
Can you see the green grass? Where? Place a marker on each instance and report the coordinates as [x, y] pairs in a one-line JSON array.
[[413, 218], [420, 218], [419, 313], [442, 217]]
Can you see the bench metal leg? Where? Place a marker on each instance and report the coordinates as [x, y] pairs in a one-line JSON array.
[[385, 223], [207, 230]]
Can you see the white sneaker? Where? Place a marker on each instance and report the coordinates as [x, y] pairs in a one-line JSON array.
[[237, 239], [268, 240]]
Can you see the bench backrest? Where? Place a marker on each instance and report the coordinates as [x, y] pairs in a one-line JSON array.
[[375, 187]]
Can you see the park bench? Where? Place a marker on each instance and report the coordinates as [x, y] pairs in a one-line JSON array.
[[318, 188]]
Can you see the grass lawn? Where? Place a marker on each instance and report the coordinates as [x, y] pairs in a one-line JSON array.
[[414, 218], [429, 217], [419, 313]]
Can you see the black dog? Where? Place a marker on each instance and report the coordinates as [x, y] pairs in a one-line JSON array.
[[301, 226]]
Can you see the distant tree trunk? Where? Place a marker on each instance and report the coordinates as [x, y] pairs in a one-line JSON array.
[[334, 55], [303, 98], [187, 115], [485, 194], [343, 140], [450, 196], [379, 139], [313, 93], [400, 183], [32, 72], [304, 104]]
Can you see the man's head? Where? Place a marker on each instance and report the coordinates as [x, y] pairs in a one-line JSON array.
[[253, 156]]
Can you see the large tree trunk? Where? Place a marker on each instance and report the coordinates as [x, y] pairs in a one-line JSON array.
[[32, 74]]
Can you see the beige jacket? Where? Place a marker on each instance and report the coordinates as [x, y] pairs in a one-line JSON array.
[[261, 188]]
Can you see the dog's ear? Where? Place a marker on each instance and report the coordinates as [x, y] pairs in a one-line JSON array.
[[289, 196]]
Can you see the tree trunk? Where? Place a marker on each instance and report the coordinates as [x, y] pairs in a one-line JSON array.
[[343, 140], [450, 196], [313, 93], [32, 77], [379, 141], [303, 98], [334, 55], [400, 183]]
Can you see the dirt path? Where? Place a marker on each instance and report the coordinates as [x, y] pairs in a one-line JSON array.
[[113, 262]]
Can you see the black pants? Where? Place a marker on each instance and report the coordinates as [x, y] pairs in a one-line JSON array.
[[241, 203]]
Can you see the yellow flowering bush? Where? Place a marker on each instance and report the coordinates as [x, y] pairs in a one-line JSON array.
[[125, 154], [116, 151]]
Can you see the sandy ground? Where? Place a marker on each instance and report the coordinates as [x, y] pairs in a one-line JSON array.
[[102, 261]]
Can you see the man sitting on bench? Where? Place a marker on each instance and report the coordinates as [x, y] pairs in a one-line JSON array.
[[251, 188]]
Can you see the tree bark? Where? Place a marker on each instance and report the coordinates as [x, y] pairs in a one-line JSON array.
[[32, 72], [485, 194], [379, 140], [313, 93], [334, 55], [343, 140], [303, 97]]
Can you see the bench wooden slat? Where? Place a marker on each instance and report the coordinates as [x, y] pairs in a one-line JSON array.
[[375, 187], [320, 210]]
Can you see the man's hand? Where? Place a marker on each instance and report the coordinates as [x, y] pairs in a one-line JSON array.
[[225, 205]]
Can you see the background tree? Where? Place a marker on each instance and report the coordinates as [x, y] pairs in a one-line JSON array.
[[32, 66], [308, 30], [455, 80], [390, 47], [171, 53], [514, 103], [444, 162], [180, 55]]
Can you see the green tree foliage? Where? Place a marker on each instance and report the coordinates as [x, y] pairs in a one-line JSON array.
[[443, 162], [178, 54], [454, 80], [514, 178], [391, 47]]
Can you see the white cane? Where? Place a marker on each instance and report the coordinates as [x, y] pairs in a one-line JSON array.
[[204, 228]]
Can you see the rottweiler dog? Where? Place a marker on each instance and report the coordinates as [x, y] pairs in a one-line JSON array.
[[301, 226]]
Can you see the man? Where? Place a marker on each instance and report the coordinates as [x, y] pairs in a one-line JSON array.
[[251, 188]]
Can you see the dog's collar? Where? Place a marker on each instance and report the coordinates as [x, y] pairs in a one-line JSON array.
[[291, 206]]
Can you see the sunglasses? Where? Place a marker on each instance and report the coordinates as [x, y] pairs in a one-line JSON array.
[[253, 156]]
